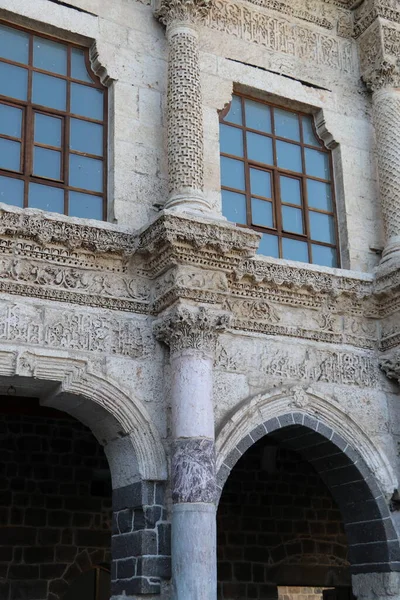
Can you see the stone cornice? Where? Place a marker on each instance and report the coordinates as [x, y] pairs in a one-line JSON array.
[[74, 235], [370, 10], [191, 328]]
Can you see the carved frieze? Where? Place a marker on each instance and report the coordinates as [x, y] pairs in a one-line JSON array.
[[279, 35], [369, 10], [307, 364], [76, 330]]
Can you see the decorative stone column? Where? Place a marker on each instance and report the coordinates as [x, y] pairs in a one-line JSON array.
[[184, 110], [380, 66], [191, 334]]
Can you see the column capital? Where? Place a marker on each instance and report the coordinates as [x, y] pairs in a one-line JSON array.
[[182, 11], [191, 328], [380, 63]]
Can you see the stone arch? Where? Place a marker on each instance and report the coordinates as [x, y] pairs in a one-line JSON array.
[[357, 474], [121, 423]]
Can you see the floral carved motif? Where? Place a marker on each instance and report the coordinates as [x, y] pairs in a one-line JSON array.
[[184, 328], [390, 365], [182, 10]]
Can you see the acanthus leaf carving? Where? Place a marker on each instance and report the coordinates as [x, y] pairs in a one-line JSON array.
[[390, 365], [192, 11], [191, 328]]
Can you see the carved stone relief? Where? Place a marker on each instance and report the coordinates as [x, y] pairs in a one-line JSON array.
[[279, 35], [193, 471]]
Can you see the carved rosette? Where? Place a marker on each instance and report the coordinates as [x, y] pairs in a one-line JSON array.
[[184, 103], [193, 328], [390, 365]]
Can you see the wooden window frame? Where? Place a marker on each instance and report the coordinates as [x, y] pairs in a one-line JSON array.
[[275, 173], [30, 109]]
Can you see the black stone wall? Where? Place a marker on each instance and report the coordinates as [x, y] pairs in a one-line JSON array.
[[55, 505], [277, 524]]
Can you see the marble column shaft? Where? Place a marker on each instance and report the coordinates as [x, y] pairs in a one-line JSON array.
[[191, 334]]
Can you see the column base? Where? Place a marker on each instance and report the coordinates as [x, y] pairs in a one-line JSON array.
[[192, 203], [390, 260], [194, 564], [376, 586]]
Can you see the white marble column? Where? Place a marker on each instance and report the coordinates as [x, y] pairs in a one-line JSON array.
[[191, 334], [184, 104]]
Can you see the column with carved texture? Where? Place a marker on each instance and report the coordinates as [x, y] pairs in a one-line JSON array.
[[380, 67], [184, 103], [191, 334]]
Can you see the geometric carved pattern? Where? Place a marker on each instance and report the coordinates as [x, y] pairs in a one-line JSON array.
[[387, 127], [185, 123]]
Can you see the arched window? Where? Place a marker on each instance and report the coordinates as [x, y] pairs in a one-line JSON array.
[[52, 126], [91, 585], [276, 177]]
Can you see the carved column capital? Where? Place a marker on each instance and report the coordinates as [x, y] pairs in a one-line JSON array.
[[191, 328], [182, 11], [379, 48], [390, 365]]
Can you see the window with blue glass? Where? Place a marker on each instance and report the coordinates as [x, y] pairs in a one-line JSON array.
[[276, 177], [52, 126]]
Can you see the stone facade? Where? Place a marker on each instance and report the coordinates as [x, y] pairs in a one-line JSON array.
[[162, 330]]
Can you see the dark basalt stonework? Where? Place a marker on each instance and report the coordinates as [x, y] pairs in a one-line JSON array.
[[193, 471]]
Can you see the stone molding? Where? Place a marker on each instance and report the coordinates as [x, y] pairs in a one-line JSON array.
[[246, 423], [191, 328], [370, 10], [76, 378]]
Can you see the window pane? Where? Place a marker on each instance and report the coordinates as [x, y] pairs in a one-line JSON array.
[[294, 250], [322, 227], [317, 163], [13, 81], [86, 137], [308, 132], [319, 195], [292, 219], [47, 130], [86, 173], [46, 197], [286, 124], [78, 66], [12, 191], [290, 190], [47, 163], [322, 255], [232, 173], [10, 155], [231, 140], [289, 156], [14, 44], [49, 91], [259, 148], [85, 206], [235, 112], [234, 207], [260, 183], [49, 56], [86, 101], [10, 120], [258, 116], [268, 245], [261, 213]]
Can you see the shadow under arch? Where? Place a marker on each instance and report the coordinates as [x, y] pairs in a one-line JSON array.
[[119, 422], [340, 452]]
